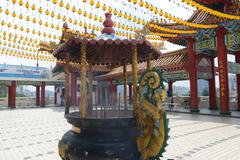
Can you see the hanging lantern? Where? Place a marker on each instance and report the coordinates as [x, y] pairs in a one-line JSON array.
[[85, 14], [0, 9], [20, 16], [98, 5], [21, 28], [34, 20], [91, 2], [67, 6], [14, 1], [146, 5], [9, 25], [70, 20], [61, 4], [20, 3], [59, 16], [46, 24], [95, 18], [90, 16], [40, 22], [28, 18], [75, 22], [79, 11], [115, 12], [120, 14], [104, 7], [52, 14], [47, 12], [27, 5], [40, 10], [100, 19], [141, 3], [33, 31], [14, 14], [7, 12], [15, 27], [73, 9], [54, 1], [125, 15], [64, 18], [110, 9], [33, 7], [80, 23]]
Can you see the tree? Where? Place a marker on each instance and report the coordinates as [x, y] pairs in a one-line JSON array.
[[205, 92]]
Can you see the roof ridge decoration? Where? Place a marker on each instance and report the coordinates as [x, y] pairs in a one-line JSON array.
[[211, 11]]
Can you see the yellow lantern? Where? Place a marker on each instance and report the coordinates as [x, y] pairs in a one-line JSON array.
[[9, 25], [80, 23], [100, 19], [125, 15], [52, 14], [129, 17], [20, 3], [33, 31], [70, 20], [75, 22], [95, 18], [120, 14], [40, 10], [15, 26], [7, 12], [0, 9], [28, 18], [14, 1], [54, 1], [73, 9], [115, 12], [47, 12], [91, 2], [98, 5], [79, 11], [110, 9], [46, 24], [141, 3], [104, 7], [151, 8], [20, 16], [135, 1], [61, 4], [58, 16], [27, 5], [90, 16], [67, 6], [21, 28], [40, 22], [146, 5], [14, 14], [85, 14], [64, 18], [27, 30], [33, 7]]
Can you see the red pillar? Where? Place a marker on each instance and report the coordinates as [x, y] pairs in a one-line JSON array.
[[130, 89], [193, 77], [9, 96], [73, 89], [55, 94], [37, 95], [12, 95], [237, 57], [223, 71], [43, 94], [212, 88], [170, 85]]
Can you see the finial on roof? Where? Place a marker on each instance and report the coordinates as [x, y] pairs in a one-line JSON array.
[[108, 24]]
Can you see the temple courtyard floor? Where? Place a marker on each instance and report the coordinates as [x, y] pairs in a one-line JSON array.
[[33, 134]]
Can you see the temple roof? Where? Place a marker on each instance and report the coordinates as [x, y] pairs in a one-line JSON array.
[[106, 51], [171, 61]]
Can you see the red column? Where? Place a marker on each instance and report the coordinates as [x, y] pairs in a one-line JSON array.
[[193, 77], [13, 95], [73, 89], [43, 94], [223, 71], [55, 94], [212, 87], [237, 57], [170, 86], [37, 95], [9, 96], [130, 93]]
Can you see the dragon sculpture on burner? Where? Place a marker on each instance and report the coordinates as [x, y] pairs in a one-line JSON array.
[[151, 118]]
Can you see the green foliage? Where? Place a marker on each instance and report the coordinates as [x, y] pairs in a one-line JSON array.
[[205, 92]]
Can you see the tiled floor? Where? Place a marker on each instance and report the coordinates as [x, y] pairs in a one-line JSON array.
[[33, 134]]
